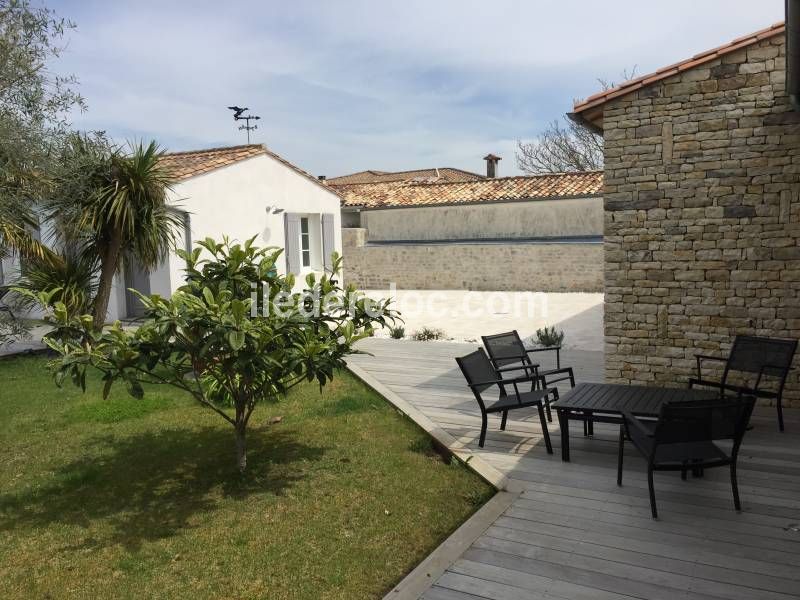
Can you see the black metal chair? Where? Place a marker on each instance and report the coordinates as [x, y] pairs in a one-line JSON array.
[[762, 356], [481, 376], [508, 354], [684, 438]]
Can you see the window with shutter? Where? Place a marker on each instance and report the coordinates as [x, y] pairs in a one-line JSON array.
[[292, 242], [328, 240]]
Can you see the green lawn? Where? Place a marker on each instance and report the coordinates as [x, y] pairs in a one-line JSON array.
[[141, 499]]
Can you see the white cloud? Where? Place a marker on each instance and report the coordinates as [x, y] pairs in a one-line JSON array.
[[347, 85]]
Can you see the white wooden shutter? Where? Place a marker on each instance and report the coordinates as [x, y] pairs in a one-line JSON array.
[[292, 242], [328, 240]]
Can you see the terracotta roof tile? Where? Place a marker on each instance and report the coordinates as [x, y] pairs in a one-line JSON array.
[[596, 101], [442, 174], [183, 165], [418, 193]]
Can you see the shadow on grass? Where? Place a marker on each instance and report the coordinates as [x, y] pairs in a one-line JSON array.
[[148, 486]]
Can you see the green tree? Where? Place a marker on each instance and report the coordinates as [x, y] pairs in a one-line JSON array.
[[233, 337], [34, 109], [113, 205]]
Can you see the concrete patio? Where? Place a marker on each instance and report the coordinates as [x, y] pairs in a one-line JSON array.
[[565, 530]]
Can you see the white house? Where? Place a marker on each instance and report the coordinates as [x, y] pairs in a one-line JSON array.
[[241, 192]]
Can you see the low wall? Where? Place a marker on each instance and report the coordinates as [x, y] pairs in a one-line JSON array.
[[538, 267], [491, 220]]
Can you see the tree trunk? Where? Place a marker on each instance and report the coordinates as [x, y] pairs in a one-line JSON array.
[[241, 447], [108, 267]]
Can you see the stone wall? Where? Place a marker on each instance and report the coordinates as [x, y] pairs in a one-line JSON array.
[[567, 267], [567, 217], [702, 217]]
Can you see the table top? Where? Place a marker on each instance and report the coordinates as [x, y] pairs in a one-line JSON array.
[[636, 399]]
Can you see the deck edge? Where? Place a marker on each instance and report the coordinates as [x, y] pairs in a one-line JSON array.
[[433, 566], [487, 472]]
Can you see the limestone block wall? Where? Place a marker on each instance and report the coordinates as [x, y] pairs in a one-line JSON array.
[[566, 217], [540, 267], [702, 216]]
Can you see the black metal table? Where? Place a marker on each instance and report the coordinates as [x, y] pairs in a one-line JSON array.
[[605, 403]]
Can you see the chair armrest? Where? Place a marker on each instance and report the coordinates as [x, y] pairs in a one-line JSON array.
[[556, 349], [545, 349], [516, 367], [630, 420], [701, 357], [511, 381], [709, 357]]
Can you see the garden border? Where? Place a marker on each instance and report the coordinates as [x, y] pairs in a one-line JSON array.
[[425, 574]]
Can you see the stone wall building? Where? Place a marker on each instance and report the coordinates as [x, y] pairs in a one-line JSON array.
[[541, 233], [702, 216]]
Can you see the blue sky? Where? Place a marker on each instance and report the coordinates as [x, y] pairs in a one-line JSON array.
[[346, 85]]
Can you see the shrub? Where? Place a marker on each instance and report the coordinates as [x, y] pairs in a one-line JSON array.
[[209, 340], [12, 329], [427, 334], [69, 278], [549, 336], [397, 333]]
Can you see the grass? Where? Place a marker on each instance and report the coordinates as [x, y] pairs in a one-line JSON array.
[[141, 499]]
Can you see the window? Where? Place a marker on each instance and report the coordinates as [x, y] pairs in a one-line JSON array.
[[305, 242]]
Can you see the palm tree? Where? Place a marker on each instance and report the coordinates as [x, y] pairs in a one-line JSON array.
[[117, 208], [130, 219]]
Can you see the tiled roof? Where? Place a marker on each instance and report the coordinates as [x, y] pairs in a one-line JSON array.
[[443, 174], [590, 110], [417, 193], [182, 165]]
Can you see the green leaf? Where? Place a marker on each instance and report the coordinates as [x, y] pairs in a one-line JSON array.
[[135, 389], [107, 386], [236, 339]]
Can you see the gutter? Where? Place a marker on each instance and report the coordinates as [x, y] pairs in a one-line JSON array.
[[583, 121], [793, 52]]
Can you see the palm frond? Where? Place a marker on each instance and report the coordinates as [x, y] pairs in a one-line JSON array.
[[71, 276]]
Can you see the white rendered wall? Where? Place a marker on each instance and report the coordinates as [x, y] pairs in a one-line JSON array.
[[232, 201]]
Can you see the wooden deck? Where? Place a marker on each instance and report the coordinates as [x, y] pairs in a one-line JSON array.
[[571, 533]]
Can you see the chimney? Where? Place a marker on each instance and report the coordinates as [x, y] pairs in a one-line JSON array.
[[322, 179], [491, 165]]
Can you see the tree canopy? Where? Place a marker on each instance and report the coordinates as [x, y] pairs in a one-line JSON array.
[[234, 336], [34, 115]]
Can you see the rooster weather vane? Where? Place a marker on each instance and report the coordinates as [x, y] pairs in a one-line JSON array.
[[238, 115]]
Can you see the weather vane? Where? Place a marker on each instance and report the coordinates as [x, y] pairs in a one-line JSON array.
[[238, 116]]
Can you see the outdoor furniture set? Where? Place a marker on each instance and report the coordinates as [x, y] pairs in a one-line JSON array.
[[674, 429]]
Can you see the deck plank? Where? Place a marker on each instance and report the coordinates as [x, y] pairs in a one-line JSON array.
[[573, 533]]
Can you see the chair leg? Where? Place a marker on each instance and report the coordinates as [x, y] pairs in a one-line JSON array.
[[735, 487], [545, 432], [484, 424], [652, 492], [585, 428], [547, 408], [503, 421], [619, 456], [780, 414]]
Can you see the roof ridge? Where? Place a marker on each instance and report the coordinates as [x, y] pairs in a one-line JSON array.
[[215, 149], [375, 172], [632, 85], [484, 180]]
